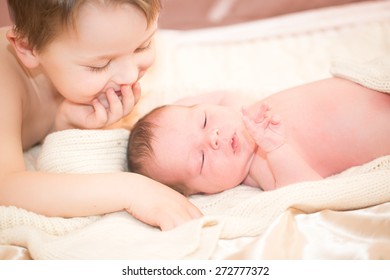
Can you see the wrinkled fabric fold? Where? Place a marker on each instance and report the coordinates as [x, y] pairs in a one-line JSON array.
[[14, 253], [362, 234]]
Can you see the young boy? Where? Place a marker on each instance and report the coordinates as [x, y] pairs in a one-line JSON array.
[[77, 64], [303, 133]]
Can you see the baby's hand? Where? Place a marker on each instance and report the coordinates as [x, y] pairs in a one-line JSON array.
[[161, 206], [267, 130], [105, 110]]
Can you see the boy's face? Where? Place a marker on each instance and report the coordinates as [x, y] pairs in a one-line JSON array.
[[205, 147], [110, 46]]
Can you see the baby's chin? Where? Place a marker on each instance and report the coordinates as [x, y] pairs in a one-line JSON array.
[[216, 190]]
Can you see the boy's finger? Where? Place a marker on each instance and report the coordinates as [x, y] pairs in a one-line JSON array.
[[100, 114], [115, 106], [166, 224], [137, 92], [127, 99], [103, 101], [176, 219]]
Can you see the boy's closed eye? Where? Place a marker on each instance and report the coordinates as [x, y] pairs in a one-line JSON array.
[[144, 47], [105, 66], [99, 68]]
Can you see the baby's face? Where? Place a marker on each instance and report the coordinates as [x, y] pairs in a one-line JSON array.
[[206, 148]]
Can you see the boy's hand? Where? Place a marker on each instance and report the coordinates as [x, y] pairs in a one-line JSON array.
[[161, 206], [267, 130], [105, 110]]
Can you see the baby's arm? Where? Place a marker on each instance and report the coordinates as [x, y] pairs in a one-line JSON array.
[[268, 131]]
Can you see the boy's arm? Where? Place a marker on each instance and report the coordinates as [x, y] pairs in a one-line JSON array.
[[286, 164], [72, 195]]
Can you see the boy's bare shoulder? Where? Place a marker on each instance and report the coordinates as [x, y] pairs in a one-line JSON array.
[[13, 91], [12, 75], [6, 52]]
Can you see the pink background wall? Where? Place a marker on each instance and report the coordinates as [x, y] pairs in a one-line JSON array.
[[4, 18], [186, 14]]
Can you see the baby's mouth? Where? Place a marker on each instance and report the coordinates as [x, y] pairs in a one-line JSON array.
[[235, 143]]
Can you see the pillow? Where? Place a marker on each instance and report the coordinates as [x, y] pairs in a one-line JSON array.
[[84, 151]]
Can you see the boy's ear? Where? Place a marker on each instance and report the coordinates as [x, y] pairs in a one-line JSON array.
[[25, 53]]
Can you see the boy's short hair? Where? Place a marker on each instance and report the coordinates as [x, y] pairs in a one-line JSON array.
[[39, 21]]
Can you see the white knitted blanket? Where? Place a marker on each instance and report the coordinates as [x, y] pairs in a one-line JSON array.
[[242, 211]]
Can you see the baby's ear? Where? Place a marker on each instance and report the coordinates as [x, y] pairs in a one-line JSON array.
[[25, 53]]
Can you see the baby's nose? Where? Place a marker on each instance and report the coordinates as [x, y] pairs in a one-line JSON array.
[[214, 138]]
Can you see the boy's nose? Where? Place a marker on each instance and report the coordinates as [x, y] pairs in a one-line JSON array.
[[127, 72], [213, 138]]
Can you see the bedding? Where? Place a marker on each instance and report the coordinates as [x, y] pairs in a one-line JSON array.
[[313, 220], [239, 212]]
